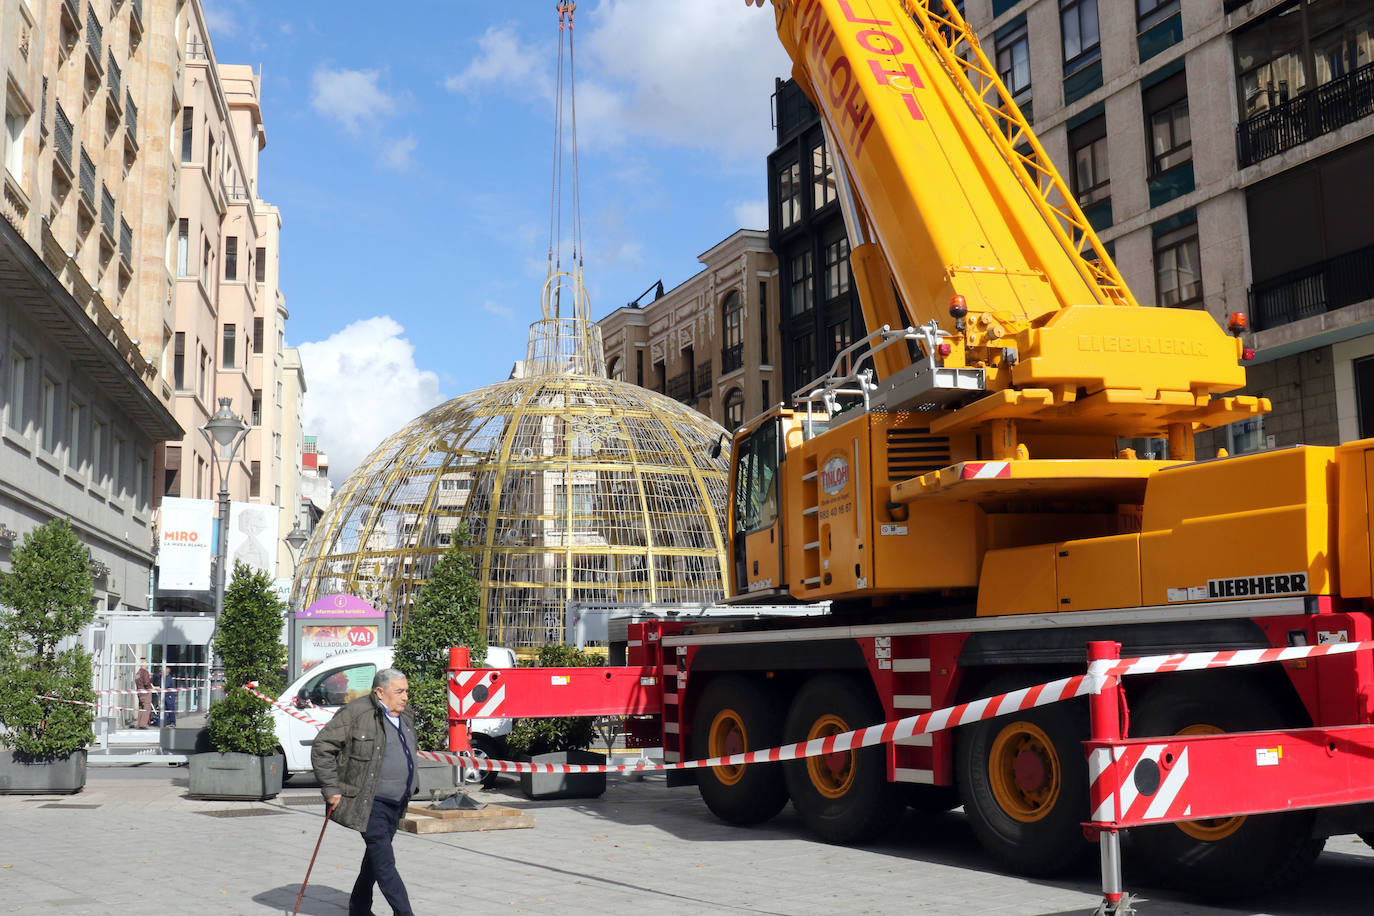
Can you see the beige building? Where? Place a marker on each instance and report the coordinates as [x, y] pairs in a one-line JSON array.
[[1223, 151], [711, 341]]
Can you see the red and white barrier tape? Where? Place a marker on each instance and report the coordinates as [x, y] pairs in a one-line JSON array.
[[290, 711], [1199, 661], [123, 692], [112, 706]]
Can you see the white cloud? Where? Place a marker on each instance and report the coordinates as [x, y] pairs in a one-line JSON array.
[[222, 18], [504, 59], [751, 214], [691, 74], [500, 311], [363, 386], [351, 97], [397, 154]]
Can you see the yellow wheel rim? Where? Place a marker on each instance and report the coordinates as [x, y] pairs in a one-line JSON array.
[[727, 736], [1024, 772], [1212, 829], [832, 775]]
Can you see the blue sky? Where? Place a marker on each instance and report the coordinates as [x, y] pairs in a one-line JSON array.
[[411, 153]]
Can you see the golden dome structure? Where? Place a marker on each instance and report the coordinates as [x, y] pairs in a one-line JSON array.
[[572, 487]]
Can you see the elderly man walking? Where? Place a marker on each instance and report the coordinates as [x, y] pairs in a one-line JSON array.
[[364, 759]]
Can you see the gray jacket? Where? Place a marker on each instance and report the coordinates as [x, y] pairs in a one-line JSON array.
[[347, 757]]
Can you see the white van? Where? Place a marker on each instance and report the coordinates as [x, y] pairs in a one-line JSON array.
[[322, 690]]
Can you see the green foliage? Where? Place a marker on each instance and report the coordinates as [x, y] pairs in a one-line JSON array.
[[446, 613], [563, 733], [49, 598], [248, 643]]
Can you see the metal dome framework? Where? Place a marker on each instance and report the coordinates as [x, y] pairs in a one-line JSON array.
[[571, 486]]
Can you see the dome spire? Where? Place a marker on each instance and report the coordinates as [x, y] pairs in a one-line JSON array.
[[565, 345]]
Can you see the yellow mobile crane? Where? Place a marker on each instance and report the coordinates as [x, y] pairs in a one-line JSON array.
[[956, 487]]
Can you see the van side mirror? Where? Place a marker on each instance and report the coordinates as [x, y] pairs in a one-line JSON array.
[[717, 446]]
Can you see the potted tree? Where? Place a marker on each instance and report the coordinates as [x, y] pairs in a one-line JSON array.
[[562, 739], [244, 763], [446, 613], [47, 600]]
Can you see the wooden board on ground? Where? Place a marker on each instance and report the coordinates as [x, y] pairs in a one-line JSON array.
[[420, 819]]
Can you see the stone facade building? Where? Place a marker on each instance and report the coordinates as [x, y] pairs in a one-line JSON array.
[[711, 341]]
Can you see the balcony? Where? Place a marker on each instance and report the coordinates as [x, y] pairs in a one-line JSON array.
[[86, 213], [703, 380], [70, 26], [107, 216], [680, 388], [1305, 117], [62, 141], [126, 244], [112, 79], [731, 358], [130, 130], [135, 24], [195, 50], [95, 40], [1331, 284]]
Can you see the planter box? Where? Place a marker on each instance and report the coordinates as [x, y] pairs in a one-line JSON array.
[[243, 777], [184, 739], [564, 785], [50, 777], [432, 774]]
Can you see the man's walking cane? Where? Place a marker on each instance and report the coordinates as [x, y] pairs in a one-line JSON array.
[[296, 908]]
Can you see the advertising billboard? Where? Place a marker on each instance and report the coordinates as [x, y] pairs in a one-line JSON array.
[[184, 544]]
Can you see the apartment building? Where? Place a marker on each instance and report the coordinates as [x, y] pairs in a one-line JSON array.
[[708, 342]]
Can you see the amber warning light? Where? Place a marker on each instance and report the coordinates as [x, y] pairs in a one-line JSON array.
[[1237, 324]]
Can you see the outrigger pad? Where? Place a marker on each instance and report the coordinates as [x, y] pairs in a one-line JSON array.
[[459, 801]]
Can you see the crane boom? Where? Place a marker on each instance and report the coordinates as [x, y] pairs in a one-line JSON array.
[[954, 204]]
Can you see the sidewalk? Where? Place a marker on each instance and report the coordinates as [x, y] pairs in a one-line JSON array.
[[132, 842]]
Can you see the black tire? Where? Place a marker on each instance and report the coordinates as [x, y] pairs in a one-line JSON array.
[[733, 715], [1023, 779], [1221, 858], [845, 797], [487, 748]]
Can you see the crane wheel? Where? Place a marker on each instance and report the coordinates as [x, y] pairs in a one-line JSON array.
[[843, 797], [1024, 783], [736, 714], [1221, 858]]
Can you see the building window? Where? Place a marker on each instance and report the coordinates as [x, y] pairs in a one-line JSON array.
[[767, 396], [836, 268], [188, 130], [16, 121], [801, 283], [140, 481], [205, 266], [734, 409], [171, 476], [117, 466], [1166, 117], [257, 336], [48, 405], [639, 368], [1269, 62], [822, 177], [231, 257], [789, 195], [1078, 19], [1150, 13], [200, 478], [1088, 149], [183, 247], [804, 357], [204, 373], [254, 479], [19, 378], [179, 361], [1013, 61], [763, 322], [841, 336], [255, 412], [732, 322], [1178, 270], [229, 359], [616, 370], [76, 430], [260, 266], [98, 433]]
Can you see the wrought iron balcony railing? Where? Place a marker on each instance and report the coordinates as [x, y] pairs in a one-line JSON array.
[[703, 380], [107, 212], [62, 136], [1331, 284], [87, 179], [1307, 116], [195, 50], [94, 35], [126, 243], [131, 115], [731, 358], [680, 387], [113, 77]]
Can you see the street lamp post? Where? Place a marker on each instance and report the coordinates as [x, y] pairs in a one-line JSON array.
[[295, 540], [224, 432]]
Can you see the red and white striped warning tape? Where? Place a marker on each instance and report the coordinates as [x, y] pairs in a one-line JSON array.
[[124, 692], [113, 706], [1198, 661], [289, 710]]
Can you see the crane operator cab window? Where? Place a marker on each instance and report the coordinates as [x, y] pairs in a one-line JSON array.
[[757, 541]]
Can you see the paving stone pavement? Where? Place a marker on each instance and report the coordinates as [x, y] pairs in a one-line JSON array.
[[131, 842]]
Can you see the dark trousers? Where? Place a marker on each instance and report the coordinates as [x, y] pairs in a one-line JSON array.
[[379, 863]]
